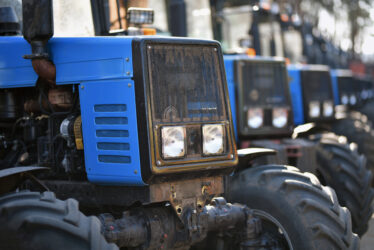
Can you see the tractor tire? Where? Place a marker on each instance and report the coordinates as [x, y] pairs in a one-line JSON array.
[[345, 171], [307, 214], [31, 220], [360, 132], [368, 110]]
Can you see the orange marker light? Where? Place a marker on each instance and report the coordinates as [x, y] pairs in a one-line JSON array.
[[149, 31], [250, 52]]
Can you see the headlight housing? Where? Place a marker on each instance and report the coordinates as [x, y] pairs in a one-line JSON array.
[[213, 139], [345, 99], [255, 117], [352, 99], [314, 109], [328, 108], [280, 117], [173, 141]]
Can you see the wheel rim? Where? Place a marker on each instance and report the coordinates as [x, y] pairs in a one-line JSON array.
[[274, 223]]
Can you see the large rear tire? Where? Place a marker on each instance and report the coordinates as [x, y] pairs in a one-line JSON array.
[[30, 220], [358, 130], [308, 212], [343, 169]]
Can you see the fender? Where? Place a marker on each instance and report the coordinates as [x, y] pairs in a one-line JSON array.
[[248, 154], [10, 178], [308, 129]]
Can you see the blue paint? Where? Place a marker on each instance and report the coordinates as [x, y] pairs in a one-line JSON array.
[[335, 88], [229, 68], [110, 134], [76, 60], [296, 94], [102, 67]]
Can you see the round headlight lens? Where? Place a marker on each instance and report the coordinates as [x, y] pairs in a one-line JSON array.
[[314, 109], [280, 117], [345, 100], [352, 100], [213, 139], [173, 142], [255, 117], [364, 94], [328, 108]]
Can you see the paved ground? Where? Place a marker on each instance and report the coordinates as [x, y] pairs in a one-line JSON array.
[[367, 242]]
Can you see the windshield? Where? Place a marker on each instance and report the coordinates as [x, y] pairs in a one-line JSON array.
[[270, 38], [293, 43], [237, 22]]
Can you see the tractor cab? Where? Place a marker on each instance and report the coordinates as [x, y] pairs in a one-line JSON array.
[[251, 28], [259, 96], [312, 93], [364, 87], [350, 90], [345, 89]]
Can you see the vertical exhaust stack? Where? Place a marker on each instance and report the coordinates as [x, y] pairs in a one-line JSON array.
[[37, 30]]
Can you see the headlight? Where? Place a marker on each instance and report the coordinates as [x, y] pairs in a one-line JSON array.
[[213, 139], [352, 100], [255, 117], [314, 109], [173, 142], [140, 15], [345, 99], [280, 117], [364, 94], [328, 108]]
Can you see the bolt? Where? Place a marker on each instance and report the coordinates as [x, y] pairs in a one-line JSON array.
[[128, 73], [129, 85], [215, 49], [127, 59], [232, 156], [135, 171], [82, 87], [158, 163], [149, 47]]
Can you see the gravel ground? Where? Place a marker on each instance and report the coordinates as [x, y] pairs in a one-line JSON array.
[[367, 241]]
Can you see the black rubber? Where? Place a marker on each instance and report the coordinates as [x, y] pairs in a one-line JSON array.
[[30, 220], [341, 167], [309, 212], [357, 129], [368, 110]]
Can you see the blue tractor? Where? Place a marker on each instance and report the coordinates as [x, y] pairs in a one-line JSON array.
[[319, 87], [266, 110], [304, 45], [138, 130]]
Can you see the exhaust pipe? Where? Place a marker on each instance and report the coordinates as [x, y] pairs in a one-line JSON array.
[[37, 30]]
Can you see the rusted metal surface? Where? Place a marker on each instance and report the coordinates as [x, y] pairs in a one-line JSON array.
[[45, 69], [61, 97], [157, 228], [195, 193]]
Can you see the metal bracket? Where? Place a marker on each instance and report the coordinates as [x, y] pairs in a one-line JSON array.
[[248, 154]]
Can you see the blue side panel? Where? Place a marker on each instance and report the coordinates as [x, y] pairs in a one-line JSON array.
[[77, 59], [335, 89], [14, 70], [229, 68], [296, 94], [110, 134], [91, 58]]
